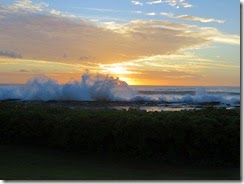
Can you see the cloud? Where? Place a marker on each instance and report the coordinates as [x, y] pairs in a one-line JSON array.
[[30, 6], [55, 12], [173, 3], [46, 37], [154, 2], [151, 13], [191, 18], [137, 12], [109, 10], [22, 70], [187, 69], [103, 10], [179, 3], [219, 37], [10, 54], [137, 3], [99, 9], [38, 66], [86, 58]]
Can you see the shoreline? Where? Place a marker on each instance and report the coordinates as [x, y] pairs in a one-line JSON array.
[[125, 105]]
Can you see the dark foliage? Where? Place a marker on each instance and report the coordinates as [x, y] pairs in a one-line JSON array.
[[209, 136]]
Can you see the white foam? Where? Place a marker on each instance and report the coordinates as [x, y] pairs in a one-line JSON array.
[[99, 88], [91, 87], [201, 96]]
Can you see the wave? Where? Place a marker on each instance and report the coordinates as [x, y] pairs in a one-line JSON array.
[[202, 96], [171, 92], [103, 88], [90, 88], [189, 92]]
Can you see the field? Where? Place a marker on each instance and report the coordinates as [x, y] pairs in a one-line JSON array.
[[39, 141]]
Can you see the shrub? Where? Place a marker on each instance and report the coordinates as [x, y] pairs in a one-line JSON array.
[[207, 136]]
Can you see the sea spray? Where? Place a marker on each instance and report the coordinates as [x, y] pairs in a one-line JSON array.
[[41, 88], [202, 96], [90, 88], [107, 88]]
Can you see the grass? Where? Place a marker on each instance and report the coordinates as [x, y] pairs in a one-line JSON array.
[[64, 143], [35, 163]]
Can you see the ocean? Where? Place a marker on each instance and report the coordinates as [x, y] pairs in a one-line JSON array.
[[190, 97], [119, 95]]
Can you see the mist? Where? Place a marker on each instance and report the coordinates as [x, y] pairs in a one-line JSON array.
[[90, 88]]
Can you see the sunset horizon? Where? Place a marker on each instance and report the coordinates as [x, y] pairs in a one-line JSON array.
[[143, 42], [120, 90]]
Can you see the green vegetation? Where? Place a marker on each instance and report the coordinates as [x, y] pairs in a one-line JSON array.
[[20, 162], [203, 137], [117, 144]]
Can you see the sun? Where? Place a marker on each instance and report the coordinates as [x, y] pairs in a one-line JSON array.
[[117, 70], [123, 73]]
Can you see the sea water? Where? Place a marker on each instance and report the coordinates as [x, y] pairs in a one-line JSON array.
[[189, 97], [104, 89]]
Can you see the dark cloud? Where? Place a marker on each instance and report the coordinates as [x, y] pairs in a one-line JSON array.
[[22, 70], [86, 58], [11, 54]]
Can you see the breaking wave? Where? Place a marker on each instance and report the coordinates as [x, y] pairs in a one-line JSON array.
[[202, 96], [90, 88], [106, 88]]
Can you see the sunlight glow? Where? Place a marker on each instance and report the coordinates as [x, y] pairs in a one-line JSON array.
[[117, 70]]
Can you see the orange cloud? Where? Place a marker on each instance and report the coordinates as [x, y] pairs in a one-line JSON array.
[[53, 38]]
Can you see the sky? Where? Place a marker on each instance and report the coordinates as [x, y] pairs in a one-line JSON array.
[[143, 42]]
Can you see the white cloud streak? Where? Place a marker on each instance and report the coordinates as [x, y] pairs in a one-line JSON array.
[[137, 12], [154, 2], [192, 18], [173, 3], [137, 3], [108, 10], [29, 5], [151, 13]]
